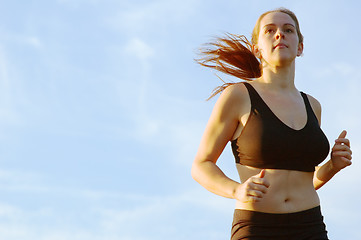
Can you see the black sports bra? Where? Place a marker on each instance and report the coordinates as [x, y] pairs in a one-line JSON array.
[[266, 142]]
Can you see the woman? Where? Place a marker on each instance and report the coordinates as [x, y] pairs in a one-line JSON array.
[[275, 134]]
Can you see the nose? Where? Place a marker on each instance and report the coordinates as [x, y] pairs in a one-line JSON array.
[[279, 35]]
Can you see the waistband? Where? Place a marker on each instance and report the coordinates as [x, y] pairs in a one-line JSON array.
[[309, 215]]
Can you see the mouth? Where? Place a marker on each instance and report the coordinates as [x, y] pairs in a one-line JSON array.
[[280, 45]]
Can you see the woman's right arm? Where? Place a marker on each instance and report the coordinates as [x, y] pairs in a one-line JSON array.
[[225, 118], [221, 126]]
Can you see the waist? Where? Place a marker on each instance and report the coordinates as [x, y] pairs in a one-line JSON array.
[[281, 206], [294, 217], [289, 191]]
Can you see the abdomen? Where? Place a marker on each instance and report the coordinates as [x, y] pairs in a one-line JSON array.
[[289, 191]]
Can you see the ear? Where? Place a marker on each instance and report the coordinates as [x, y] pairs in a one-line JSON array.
[[256, 51], [300, 49]]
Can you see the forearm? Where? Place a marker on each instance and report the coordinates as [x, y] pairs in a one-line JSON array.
[[323, 174], [211, 177]]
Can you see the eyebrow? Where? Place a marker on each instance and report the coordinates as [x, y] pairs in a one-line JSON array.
[[272, 24]]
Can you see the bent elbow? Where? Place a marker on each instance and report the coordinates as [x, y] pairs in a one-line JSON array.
[[194, 172]]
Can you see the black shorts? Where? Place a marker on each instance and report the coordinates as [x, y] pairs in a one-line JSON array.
[[304, 225]]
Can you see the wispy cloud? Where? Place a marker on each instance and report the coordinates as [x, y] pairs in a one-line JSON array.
[[114, 215], [8, 102], [134, 92], [77, 3], [152, 16], [159, 218], [32, 41], [142, 27], [139, 49]]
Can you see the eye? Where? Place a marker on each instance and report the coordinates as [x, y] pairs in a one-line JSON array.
[[289, 30], [270, 30]]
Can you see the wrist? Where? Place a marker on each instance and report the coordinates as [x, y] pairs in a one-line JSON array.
[[236, 191], [332, 168]]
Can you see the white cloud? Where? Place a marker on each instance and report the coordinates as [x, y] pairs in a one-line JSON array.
[[33, 41], [133, 21], [77, 3], [158, 216], [8, 114], [153, 15], [9, 211], [139, 48], [18, 181]]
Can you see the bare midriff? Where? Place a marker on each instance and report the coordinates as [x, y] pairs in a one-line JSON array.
[[289, 191]]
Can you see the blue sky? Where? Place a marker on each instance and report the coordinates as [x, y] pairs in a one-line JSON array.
[[102, 109]]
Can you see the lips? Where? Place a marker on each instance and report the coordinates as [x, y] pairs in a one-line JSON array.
[[280, 45]]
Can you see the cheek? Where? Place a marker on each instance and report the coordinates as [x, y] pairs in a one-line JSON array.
[[264, 44]]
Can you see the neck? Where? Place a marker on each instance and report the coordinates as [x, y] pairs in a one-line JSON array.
[[279, 77]]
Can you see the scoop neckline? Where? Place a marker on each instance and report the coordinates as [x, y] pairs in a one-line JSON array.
[[303, 95]]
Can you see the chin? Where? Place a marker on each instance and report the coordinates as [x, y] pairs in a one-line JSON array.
[[283, 60]]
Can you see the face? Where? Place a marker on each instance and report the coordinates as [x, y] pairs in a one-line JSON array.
[[278, 42]]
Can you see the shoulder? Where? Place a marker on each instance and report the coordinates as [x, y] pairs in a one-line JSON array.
[[233, 99], [236, 93], [316, 106]]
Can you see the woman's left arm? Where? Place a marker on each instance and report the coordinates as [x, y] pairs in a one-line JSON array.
[[340, 153], [341, 156]]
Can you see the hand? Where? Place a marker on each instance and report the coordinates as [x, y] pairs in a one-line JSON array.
[[341, 153], [254, 188]]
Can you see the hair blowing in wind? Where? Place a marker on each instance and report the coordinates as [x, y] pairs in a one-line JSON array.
[[231, 54]]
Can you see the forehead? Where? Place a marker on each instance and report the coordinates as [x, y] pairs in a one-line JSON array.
[[276, 18]]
